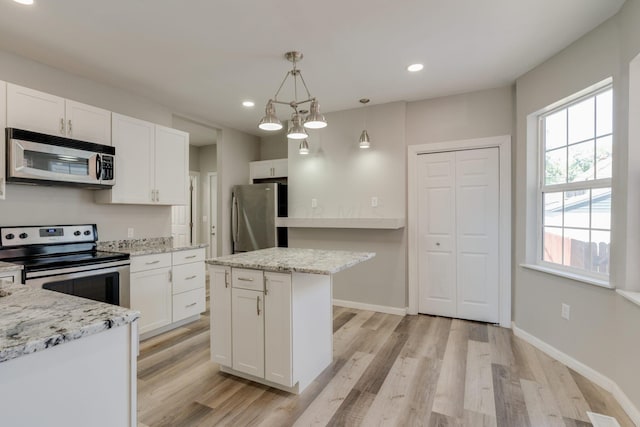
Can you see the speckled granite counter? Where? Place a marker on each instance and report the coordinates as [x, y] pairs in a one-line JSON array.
[[314, 261], [138, 247], [32, 320], [6, 267]]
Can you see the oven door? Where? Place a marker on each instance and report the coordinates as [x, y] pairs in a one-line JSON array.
[[107, 283]]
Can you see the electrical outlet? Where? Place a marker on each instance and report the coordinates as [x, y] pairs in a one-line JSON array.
[[130, 232], [566, 311], [374, 202], [314, 203]]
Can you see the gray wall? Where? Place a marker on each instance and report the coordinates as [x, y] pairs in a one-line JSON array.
[[235, 151], [274, 146], [343, 178], [603, 330], [194, 160], [26, 205]]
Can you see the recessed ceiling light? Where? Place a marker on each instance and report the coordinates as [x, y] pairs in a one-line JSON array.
[[24, 1], [415, 67], [248, 103]]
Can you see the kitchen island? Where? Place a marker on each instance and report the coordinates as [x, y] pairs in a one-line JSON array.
[[64, 360], [271, 313]]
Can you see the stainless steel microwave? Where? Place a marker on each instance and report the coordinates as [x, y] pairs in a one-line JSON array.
[[37, 158]]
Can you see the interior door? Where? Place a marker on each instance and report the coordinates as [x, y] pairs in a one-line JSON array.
[[459, 234], [437, 243], [477, 214]]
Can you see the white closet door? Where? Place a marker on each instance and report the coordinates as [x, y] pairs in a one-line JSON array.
[[459, 235], [477, 213], [437, 243]]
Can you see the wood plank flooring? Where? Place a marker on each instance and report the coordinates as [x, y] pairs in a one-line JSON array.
[[387, 371]]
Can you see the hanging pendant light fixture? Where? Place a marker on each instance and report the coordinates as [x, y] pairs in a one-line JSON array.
[[303, 149], [297, 125], [364, 141]]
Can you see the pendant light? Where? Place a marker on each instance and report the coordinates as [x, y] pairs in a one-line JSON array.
[[364, 141], [314, 120], [303, 149], [296, 130]]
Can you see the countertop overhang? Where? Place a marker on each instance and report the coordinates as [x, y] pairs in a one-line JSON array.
[[33, 319], [314, 261]]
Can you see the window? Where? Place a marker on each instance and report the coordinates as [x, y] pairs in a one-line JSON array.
[[576, 142]]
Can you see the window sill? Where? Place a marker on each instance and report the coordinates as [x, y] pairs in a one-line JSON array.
[[634, 297], [572, 276]]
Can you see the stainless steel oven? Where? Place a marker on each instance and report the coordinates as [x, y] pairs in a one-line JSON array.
[[63, 258]]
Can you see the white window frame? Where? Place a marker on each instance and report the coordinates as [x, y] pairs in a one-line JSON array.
[[595, 278]]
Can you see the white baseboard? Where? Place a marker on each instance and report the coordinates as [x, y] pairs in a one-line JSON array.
[[371, 307], [584, 370]]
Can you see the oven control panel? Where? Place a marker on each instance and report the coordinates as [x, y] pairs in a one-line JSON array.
[[40, 235]]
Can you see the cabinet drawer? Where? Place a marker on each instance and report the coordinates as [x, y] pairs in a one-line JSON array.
[[247, 279], [188, 277], [191, 255], [149, 262], [188, 304], [7, 278]]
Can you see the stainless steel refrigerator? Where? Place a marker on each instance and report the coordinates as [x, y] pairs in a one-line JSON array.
[[254, 209]]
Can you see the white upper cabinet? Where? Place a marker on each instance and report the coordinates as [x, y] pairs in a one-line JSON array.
[[171, 166], [151, 164], [88, 123], [268, 169], [3, 145], [134, 143], [45, 113]]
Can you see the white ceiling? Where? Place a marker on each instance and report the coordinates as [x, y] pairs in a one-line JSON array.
[[202, 58]]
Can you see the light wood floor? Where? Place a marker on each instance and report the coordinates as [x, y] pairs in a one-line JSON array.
[[387, 370]]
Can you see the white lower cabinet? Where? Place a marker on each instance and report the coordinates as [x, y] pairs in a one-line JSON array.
[[151, 295], [167, 288], [278, 329], [220, 282], [247, 326], [12, 276]]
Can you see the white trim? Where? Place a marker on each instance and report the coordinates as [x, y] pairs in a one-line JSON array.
[[195, 206], [503, 143], [634, 297], [602, 380], [371, 307], [569, 275]]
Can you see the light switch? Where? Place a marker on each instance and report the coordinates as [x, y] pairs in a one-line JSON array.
[[314, 203], [130, 232], [374, 202]]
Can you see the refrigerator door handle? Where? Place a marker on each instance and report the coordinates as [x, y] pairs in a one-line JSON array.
[[234, 219]]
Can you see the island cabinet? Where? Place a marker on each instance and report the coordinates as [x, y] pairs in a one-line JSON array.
[[271, 327]]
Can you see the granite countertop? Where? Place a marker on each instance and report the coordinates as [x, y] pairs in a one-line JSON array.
[[7, 266], [35, 319], [293, 259], [149, 246]]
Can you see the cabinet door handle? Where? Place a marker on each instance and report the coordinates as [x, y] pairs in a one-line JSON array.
[[266, 290], [258, 305], [153, 195], [190, 277], [157, 195], [62, 125], [153, 262], [226, 279], [190, 256], [245, 279], [69, 128], [190, 305], [171, 275]]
